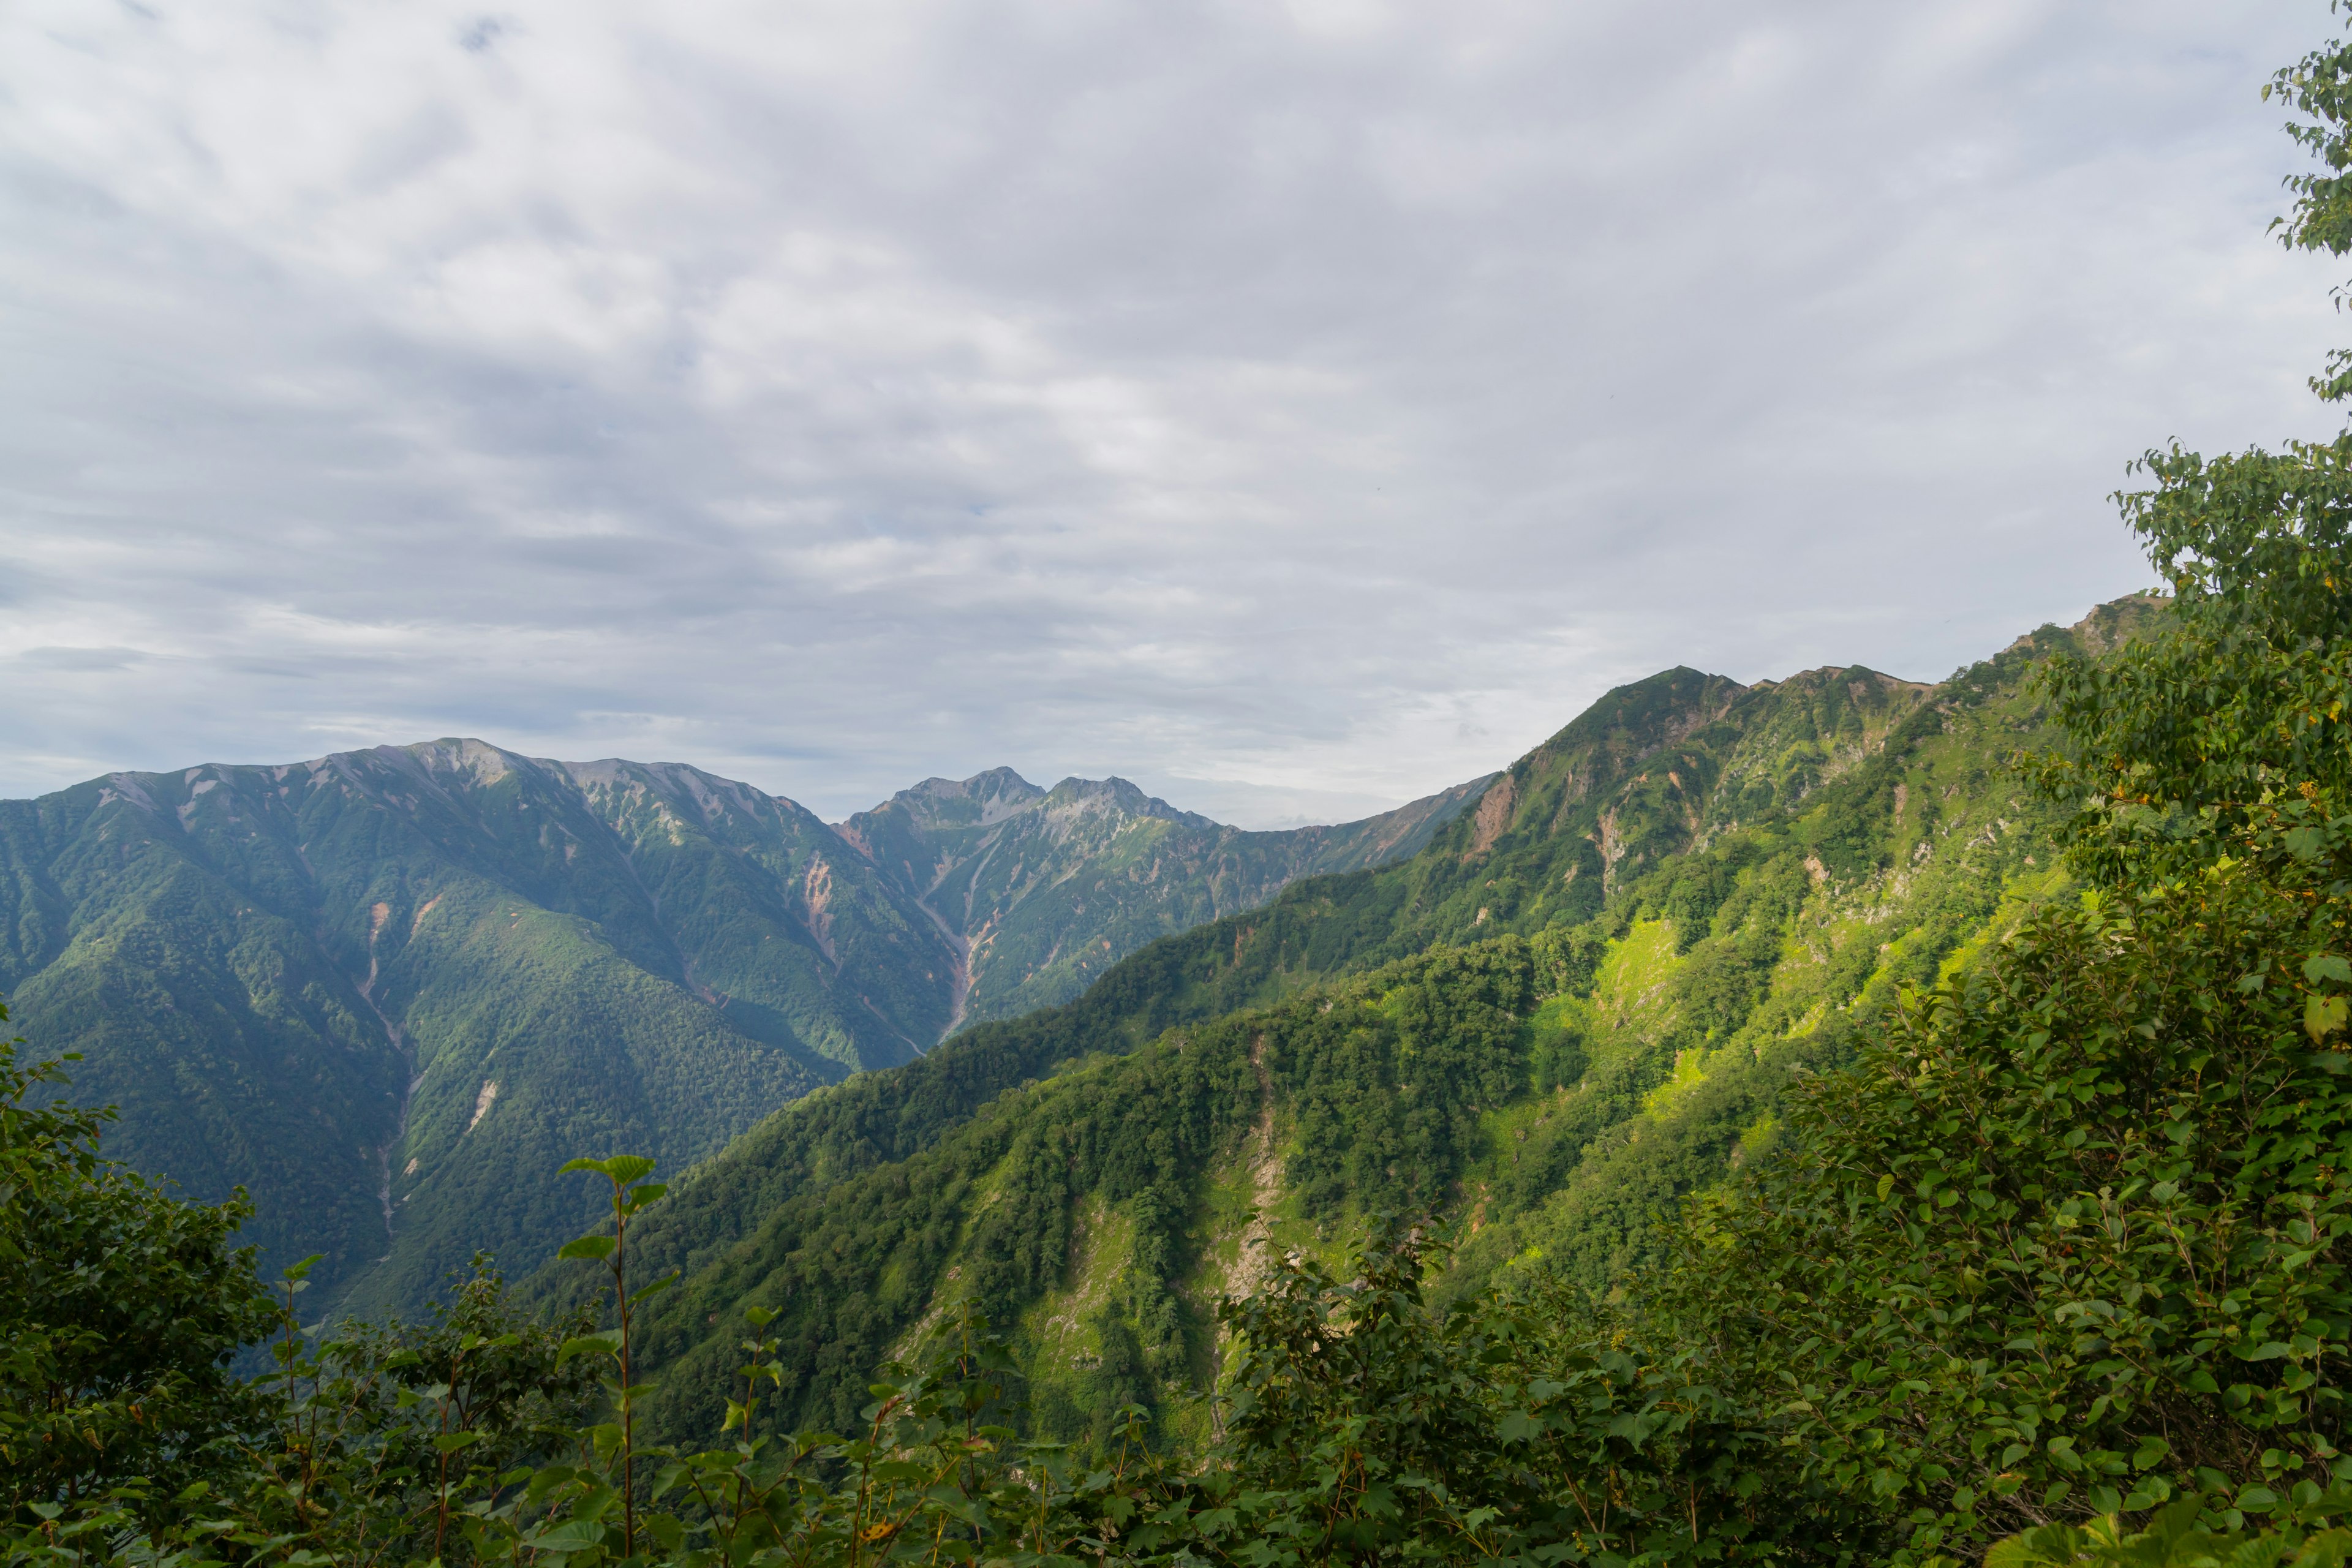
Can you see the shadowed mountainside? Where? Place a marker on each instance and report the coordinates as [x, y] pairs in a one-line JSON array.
[[404, 981]]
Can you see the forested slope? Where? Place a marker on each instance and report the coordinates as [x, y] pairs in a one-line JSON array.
[[1576, 1004], [389, 991], [409, 982]]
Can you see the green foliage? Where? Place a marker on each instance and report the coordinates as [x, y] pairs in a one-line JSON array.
[[1366, 1427], [382, 1432], [2230, 733], [2320, 85], [1384, 1087], [2069, 1229], [2185, 1533], [122, 1410], [1363, 1427], [2071, 1238], [120, 1309]]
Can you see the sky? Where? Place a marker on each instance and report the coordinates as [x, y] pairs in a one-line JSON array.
[[1295, 408]]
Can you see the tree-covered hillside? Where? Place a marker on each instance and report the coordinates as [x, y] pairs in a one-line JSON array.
[[1575, 1004], [387, 991], [1046, 889], [400, 984]]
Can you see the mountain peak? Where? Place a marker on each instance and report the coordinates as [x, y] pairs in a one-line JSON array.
[[454, 754], [1120, 796], [1828, 673], [987, 797]]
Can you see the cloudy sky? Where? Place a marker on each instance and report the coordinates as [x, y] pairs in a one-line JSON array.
[[1293, 407]]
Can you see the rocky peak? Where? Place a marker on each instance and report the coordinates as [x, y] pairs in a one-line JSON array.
[[986, 797], [1116, 796]]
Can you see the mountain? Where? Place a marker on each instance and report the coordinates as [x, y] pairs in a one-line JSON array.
[[389, 991], [400, 984], [1042, 890], [1574, 1005]]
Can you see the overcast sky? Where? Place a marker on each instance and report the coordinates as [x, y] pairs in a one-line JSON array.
[[1295, 408]]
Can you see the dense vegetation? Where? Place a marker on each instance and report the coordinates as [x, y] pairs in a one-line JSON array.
[[1087, 1175]]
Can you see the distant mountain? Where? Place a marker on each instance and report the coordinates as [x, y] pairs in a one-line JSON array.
[[1042, 890], [390, 991]]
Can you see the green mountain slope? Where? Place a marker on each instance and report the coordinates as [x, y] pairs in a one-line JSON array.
[[1574, 1005], [388, 990], [1046, 889]]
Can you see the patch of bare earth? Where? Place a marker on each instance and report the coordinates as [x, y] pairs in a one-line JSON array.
[[1253, 1259]]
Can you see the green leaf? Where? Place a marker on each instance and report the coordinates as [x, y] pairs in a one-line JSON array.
[[2323, 1015], [587, 1247], [608, 1342], [2327, 967], [572, 1535]]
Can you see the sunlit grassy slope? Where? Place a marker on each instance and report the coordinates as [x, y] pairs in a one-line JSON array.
[[1576, 1004]]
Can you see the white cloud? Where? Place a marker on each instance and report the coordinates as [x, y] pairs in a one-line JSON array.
[[1294, 408]]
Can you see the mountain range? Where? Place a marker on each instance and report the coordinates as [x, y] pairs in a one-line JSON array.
[[1071, 1054], [389, 991]]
